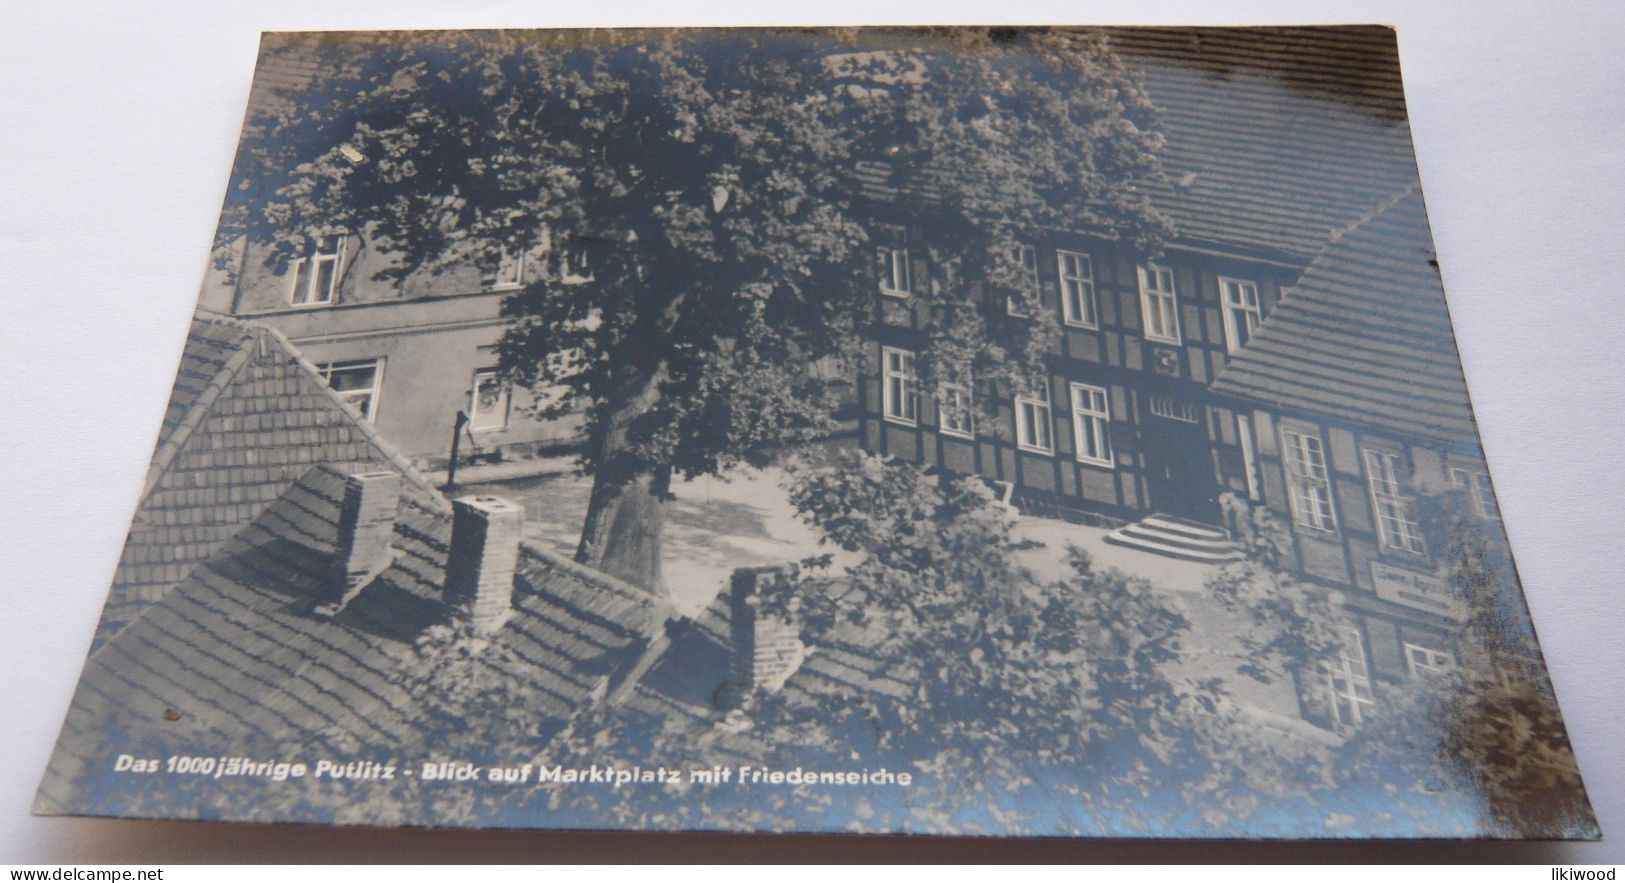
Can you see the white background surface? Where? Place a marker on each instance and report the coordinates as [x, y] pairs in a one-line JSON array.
[[117, 128]]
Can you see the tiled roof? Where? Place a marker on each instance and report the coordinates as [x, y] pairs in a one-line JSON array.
[[236, 653], [1364, 335], [248, 416], [679, 692], [284, 67], [1276, 137]]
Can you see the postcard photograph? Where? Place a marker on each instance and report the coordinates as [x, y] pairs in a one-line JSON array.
[[1047, 431]]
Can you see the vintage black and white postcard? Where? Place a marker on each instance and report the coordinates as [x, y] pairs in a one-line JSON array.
[[997, 431]]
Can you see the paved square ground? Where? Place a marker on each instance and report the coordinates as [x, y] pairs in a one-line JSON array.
[[714, 526]]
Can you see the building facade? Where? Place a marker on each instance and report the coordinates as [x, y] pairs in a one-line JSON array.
[[1290, 350], [410, 355], [1354, 429], [1125, 427]]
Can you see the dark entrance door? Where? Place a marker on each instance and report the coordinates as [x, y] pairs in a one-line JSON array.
[[1179, 465]]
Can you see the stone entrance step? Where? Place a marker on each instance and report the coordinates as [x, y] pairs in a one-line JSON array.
[[1175, 537]]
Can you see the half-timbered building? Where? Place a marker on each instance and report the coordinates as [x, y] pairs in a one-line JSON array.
[[1275, 139]]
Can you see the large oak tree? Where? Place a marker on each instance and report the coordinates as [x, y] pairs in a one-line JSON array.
[[704, 264]]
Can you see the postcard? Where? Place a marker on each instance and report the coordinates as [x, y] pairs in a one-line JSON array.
[[1042, 431]]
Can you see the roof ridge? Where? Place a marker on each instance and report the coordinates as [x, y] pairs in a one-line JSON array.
[[1383, 205], [598, 578], [434, 498], [170, 445]]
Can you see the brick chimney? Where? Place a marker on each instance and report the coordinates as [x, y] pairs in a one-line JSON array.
[[767, 648], [485, 533], [366, 533]]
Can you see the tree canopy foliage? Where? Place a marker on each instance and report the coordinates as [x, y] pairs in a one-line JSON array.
[[702, 261]]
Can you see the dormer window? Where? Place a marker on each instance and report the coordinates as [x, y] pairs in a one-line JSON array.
[[316, 274]]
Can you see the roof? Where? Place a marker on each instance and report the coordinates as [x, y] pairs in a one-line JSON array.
[[246, 418], [1364, 335], [235, 655], [1275, 137], [681, 690], [284, 67]]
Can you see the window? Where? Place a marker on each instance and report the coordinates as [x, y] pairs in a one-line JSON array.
[[1242, 313], [1091, 422], [901, 399], [1427, 661], [1348, 683], [575, 258], [1249, 457], [1033, 428], [1477, 486], [1311, 489], [488, 403], [1170, 409], [316, 275], [357, 383], [1026, 257], [894, 272], [1396, 525], [1159, 305], [1077, 277], [954, 412], [510, 271]]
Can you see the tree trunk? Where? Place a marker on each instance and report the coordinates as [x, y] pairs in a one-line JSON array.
[[621, 535], [626, 512]]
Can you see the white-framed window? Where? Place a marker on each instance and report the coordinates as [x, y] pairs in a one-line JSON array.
[[1307, 480], [1242, 312], [894, 272], [1426, 661], [488, 402], [357, 382], [899, 395], [315, 275], [1026, 257], [1479, 492], [1034, 426], [1091, 425], [510, 271], [1159, 304], [1348, 683], [954, 412], [1077, 277], [1396, 523]]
